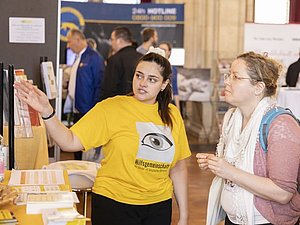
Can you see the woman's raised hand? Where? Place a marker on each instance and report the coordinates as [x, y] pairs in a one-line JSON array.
[[34, 97]]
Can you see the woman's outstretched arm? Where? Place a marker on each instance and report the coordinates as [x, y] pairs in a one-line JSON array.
[[37, 99]]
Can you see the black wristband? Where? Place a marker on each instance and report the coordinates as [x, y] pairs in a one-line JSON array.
[[50, 116]]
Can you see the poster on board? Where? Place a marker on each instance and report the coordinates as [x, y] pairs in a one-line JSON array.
[[98, 20], [194, 85]]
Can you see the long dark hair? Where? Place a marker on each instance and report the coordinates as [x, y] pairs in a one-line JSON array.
[[164, 97]]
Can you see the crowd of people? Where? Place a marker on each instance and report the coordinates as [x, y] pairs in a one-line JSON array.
[[124, 105]]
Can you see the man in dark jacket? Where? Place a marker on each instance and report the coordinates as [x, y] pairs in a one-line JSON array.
[[293, 73], [120, 66]]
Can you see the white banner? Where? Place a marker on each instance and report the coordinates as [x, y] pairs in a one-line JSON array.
[[281, 42]]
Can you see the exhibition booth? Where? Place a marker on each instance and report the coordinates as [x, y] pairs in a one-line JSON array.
[[41, 34]]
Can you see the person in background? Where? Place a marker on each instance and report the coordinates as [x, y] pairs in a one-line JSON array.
[[149, 38], [254, 186], [167, 47], [292, 74], [144, 144], [120, 66], [85, 78], [92, 43]]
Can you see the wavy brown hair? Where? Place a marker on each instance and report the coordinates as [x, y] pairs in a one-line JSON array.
[[262, 68]]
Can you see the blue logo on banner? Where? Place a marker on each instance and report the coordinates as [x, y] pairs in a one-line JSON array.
[[70, 18]]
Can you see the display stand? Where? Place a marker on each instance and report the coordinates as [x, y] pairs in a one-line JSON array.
[[219, 106], [222, 106], [58, 109], [11, 117], [1, 97], [23, 152], [11, 122]]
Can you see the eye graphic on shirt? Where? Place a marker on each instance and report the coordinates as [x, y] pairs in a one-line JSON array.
[[157, 141]]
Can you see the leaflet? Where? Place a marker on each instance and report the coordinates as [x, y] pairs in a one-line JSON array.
[[36, 177]]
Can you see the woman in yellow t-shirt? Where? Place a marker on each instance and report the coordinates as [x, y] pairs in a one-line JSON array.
[[144, 144]]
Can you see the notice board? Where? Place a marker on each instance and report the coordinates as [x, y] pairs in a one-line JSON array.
[[24, 50]]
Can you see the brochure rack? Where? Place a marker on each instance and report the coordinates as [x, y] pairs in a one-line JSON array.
[[11, 118]]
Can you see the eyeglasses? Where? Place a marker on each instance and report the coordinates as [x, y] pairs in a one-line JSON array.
[[232, 76]]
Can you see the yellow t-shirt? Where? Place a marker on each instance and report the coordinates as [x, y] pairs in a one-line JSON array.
[[138, 149]]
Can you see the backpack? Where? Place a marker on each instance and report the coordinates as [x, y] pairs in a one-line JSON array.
[[266, 122]]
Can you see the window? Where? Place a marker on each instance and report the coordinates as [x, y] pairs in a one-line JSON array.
[[272, 11]]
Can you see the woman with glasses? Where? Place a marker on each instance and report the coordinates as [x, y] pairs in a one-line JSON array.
[[253, 186]]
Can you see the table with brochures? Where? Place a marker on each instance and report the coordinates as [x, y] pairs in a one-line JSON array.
[[20, 210]]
